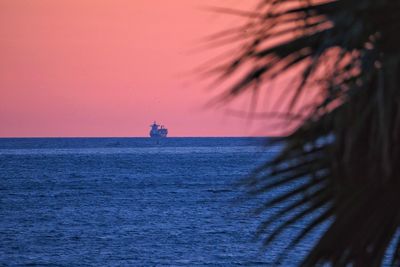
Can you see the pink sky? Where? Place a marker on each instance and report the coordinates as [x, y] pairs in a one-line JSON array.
[[109, 68]]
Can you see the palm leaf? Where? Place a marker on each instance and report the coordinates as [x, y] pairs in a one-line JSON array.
[[344, 157]]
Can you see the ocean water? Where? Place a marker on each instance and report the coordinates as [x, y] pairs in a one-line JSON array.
[[130, 202]]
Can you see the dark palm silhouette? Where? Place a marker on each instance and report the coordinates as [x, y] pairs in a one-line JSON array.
[[342, 164]]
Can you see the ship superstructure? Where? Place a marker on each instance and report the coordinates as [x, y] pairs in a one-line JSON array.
[[158, 130]]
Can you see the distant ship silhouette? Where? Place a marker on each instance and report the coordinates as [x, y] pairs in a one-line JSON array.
[[158, 131]]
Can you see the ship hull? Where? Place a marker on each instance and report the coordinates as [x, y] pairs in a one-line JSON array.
[[158, 135]]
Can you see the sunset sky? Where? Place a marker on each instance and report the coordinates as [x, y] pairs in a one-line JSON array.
[[110, 67]]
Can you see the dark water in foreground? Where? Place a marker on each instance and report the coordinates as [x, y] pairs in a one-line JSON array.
[[129, 202]]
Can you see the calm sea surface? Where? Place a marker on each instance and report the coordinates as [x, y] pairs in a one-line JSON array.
[[129, 202]]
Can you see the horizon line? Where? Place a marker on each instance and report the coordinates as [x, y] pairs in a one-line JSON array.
[[54, 137]]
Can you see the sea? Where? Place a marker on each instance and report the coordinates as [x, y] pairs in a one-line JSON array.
[[132, 202]]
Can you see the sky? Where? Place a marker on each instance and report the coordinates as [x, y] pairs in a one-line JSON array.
[[74, 68]]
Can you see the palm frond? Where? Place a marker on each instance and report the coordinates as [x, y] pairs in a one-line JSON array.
[[344, 157]]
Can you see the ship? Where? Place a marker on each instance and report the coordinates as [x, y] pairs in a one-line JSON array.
[[158, 131]]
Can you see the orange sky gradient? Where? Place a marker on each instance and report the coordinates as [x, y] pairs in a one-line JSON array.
[[109, 68]]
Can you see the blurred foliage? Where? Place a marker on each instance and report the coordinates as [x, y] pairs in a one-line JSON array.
[[342, 163]]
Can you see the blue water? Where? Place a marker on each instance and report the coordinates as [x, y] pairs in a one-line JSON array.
[[129, 202]]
